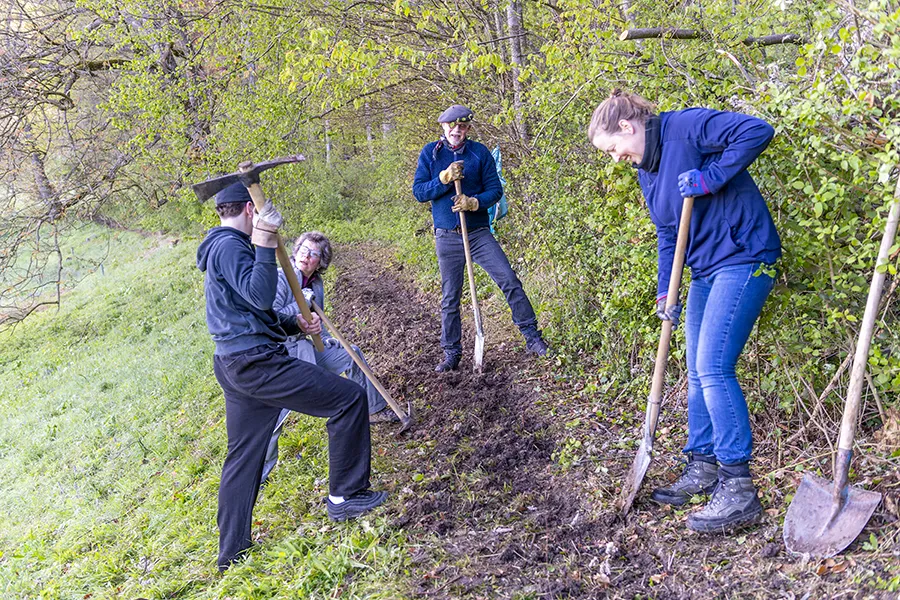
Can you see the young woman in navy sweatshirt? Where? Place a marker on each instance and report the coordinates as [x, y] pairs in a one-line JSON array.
[[732, 247]]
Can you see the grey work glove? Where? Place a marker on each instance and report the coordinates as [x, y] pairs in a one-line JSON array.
[[270, 215], [264, 234], [309, 296], [452, 173], [673, 314]]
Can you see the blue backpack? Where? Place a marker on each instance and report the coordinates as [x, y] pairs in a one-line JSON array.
[[499, 210]]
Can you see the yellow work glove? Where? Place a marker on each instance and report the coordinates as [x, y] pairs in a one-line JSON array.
[[463, 202], [452, 173]]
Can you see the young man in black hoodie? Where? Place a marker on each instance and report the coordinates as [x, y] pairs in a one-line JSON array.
[[259, 378]]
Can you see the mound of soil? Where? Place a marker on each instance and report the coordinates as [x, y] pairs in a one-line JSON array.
[[505, 485]]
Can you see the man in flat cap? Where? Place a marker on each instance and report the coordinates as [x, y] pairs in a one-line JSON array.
[[438, 169], [258, 377]]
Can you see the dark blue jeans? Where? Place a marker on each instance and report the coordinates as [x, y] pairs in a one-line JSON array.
[[721, 310], [487, 253]]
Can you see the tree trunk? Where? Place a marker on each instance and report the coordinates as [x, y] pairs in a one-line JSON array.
[[370, 142], [516, 31], [327, 145]]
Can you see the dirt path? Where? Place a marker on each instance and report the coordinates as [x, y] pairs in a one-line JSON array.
[[505, 486]]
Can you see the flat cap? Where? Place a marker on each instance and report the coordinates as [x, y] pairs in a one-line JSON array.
[[236, 192], [456, 114]]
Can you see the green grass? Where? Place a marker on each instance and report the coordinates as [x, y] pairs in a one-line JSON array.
[[111, 448]]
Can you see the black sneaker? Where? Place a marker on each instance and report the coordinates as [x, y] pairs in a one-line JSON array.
[[733, 505], [450, 363], [698, 477], [537, 346], [356, 505]]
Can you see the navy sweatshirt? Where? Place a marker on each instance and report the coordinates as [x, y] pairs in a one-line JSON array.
[[729, 226], [240, 290], [480, 181]]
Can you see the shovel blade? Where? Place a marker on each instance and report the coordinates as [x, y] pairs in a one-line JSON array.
[[635, 477], [479, 350], [809, 526], [406, 423]]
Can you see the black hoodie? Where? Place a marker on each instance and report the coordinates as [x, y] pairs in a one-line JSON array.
[[240, 290]]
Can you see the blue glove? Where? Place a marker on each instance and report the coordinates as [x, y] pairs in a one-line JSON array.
[[691, 184], [673, 314]]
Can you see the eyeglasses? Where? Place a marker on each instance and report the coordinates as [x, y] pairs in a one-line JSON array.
[[303, 252], [462, 126]]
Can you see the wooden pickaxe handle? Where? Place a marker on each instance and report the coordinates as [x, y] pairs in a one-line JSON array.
[[259, 201]]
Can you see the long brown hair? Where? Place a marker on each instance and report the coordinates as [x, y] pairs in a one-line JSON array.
[[620, 105]]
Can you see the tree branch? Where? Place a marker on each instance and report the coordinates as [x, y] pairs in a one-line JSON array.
[[692, 34]]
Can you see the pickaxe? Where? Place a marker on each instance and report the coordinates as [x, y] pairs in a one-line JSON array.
[[248, 174]]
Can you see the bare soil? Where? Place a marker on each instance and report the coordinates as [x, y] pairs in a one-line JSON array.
[[505, 486]]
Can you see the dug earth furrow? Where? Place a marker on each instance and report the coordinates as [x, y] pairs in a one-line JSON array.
[[490, 509]]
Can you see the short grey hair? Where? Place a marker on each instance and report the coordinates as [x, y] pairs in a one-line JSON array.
[[318, 238]]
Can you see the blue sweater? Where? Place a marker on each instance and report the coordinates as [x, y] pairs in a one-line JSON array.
[[480, 181], [240, 290], [729, 226]]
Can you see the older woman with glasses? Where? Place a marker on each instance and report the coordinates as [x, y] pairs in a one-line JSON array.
[[311, 256]]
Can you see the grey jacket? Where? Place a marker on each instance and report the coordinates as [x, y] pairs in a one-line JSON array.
[[286, 306]]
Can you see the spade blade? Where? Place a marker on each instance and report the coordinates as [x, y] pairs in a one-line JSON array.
[[809, 526]]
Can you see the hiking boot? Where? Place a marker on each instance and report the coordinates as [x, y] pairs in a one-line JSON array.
[[385, 415], [537, 346], [356, 505], [733, 505], [450, 363], [698, 477]]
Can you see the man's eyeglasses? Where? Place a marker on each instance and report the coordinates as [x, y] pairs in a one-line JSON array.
[[303, 252], [462, 126]]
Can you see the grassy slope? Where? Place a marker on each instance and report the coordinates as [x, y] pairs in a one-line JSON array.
[[112, 440]]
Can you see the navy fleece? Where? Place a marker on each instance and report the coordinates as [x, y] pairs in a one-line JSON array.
[[729, 226], [240, 289], [480, 180]]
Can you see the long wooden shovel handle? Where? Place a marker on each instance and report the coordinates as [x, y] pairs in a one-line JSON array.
[[861, 358], [470, 269], [359, 363], [259, 201], [662, 353]]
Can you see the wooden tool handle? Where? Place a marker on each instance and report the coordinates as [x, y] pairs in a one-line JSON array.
[[259, 201], [861, 358], [469, 266], [662, 353]]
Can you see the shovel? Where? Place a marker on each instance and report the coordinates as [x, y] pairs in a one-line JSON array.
[[479, 330], [825, 517], [645, 452]]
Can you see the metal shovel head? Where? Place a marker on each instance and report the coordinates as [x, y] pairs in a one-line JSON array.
[[408, 422], [635, 477], [810, 528], [479, 350]]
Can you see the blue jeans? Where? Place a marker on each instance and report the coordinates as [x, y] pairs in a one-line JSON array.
[[487, 253], [721, 310]]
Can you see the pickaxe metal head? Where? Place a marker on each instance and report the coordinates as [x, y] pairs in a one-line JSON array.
[[247, 173]]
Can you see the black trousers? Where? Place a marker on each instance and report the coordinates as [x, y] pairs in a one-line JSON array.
[[258, 383]]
